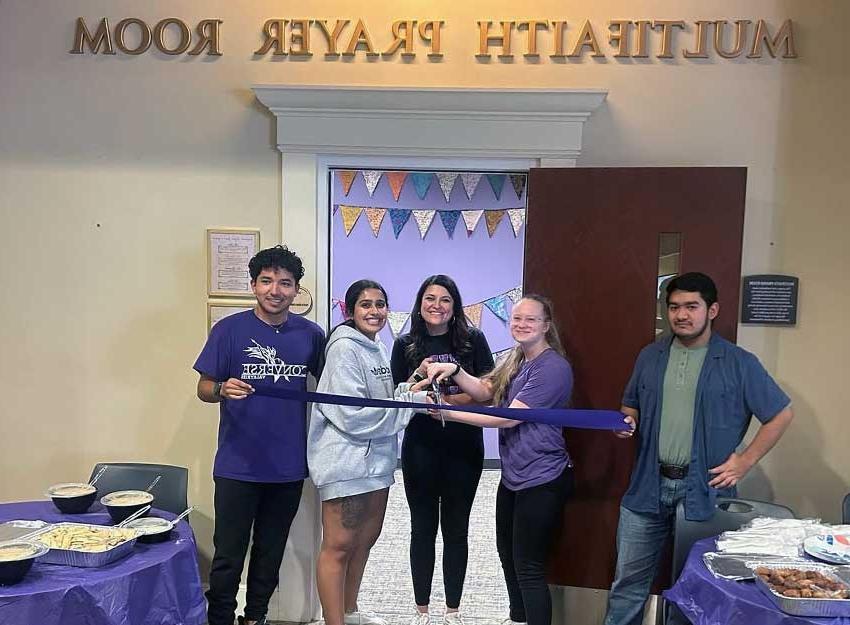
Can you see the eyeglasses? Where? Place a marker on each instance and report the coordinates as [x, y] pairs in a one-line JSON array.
[[531, 320]]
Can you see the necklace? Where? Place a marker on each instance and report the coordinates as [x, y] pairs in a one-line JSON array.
[[276, 327]]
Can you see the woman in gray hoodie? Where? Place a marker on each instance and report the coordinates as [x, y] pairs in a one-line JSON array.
[[352, 451]]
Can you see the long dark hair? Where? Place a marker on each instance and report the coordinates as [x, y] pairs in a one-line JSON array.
[[458, 330], [351, 297]]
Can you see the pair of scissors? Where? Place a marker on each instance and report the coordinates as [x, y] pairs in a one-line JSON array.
[[438, 399]]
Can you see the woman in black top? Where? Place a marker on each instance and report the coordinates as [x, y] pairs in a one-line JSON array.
[[441, 465]]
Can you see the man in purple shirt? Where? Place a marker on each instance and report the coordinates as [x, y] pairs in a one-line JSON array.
[[261, 461]]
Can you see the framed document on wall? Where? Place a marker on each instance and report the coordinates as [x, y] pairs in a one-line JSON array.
[[228, 253], [216, 311]]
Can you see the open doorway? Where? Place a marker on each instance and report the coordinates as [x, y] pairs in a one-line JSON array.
[[399, 226]]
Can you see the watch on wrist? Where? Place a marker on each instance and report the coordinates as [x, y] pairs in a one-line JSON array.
[[217, 389], [418, 377]]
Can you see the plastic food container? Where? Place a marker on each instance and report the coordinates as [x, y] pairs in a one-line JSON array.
[[72, 497], [123, 503], [16, 559]]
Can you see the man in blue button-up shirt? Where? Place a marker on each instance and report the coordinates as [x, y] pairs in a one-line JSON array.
[[690, 400]]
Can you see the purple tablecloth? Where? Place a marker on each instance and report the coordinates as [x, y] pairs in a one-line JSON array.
[[708, 600], [156, 584]]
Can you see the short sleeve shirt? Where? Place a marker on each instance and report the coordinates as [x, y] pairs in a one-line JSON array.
[[535, 453], [262, 439]]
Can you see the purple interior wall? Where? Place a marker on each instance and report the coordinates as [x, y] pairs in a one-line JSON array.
[[482, 266]]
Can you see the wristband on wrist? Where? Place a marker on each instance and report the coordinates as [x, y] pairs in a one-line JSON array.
[[457, 369], [418, 377], [217, 389]]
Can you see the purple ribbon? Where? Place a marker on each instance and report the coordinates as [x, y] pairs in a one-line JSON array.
[[563, 417]]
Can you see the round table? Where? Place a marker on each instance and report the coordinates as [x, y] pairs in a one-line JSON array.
[[708, 600], [156, 584]]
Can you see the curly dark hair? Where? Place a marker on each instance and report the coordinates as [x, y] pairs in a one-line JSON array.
[[459, 332], [277, 257]]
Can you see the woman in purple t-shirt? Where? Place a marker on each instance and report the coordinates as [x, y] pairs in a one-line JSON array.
[[537, 474]]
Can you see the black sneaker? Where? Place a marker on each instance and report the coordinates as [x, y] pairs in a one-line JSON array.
[[240, 620]]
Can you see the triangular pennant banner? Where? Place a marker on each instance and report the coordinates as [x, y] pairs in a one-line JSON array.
[[396, 180], [349, 216], [422, 182], [517, 216], [497, 181], [397, 321], [423, 220], [501, 355], [375, 217], [449, 219], [470, 183], [398, 218], [498, 306], [346, 177], [493, 218], [371, 178], [447, 182], [471, 218], [473, 313], [518, 181], [515, 294]]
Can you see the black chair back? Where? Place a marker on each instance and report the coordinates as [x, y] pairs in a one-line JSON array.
[[170, 493], [845, 510]]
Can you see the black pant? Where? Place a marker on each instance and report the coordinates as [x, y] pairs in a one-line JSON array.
[[441, 473], [527, 521], [270, 508]]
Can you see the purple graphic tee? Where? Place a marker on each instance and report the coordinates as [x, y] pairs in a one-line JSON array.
[[262, 439], [535, 453]]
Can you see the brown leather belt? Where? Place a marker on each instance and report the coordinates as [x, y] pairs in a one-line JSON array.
[[674, 472]]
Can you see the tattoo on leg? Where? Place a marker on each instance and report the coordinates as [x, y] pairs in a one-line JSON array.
[[352, 511]]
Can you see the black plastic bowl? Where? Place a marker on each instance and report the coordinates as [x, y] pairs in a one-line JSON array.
[[153, 529], [76, 504], [119, 511], [13, 570]]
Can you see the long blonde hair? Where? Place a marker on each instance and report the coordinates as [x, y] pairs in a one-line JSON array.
[[500, 378]]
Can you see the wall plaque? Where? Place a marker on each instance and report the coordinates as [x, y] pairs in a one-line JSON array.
[[770, 300]]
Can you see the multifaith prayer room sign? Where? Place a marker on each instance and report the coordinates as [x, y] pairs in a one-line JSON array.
[[530, 39]]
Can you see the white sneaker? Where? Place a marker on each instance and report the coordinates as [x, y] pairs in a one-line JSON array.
[[508, 621], [420, 618], [453, 618], [362, 617]]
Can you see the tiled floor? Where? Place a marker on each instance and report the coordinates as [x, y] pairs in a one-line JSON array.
[[387, 588]]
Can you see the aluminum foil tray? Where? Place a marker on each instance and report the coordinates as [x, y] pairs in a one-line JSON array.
[[805, 607], [735, 566], [71, 557]]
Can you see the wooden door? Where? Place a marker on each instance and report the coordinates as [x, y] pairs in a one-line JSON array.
[[592, 246]]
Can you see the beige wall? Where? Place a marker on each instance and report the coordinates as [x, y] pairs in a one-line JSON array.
[[112, 167]]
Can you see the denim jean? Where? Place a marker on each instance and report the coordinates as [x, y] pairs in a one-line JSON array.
[[640, 539]]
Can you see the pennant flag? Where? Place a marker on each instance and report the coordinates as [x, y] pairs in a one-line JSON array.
[[500, 355], [473, 313], [346, 177], [375, 217], [423, 220], [447, 181], [396, 180], [498, 306], [497, 181], [518, 180], [372, 178], [398, 218], [471, 219], [493, 218], [449, 219], [349, 217], [397, 321], [517, 216], [422, 182], [515, 294], [470, 183]]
